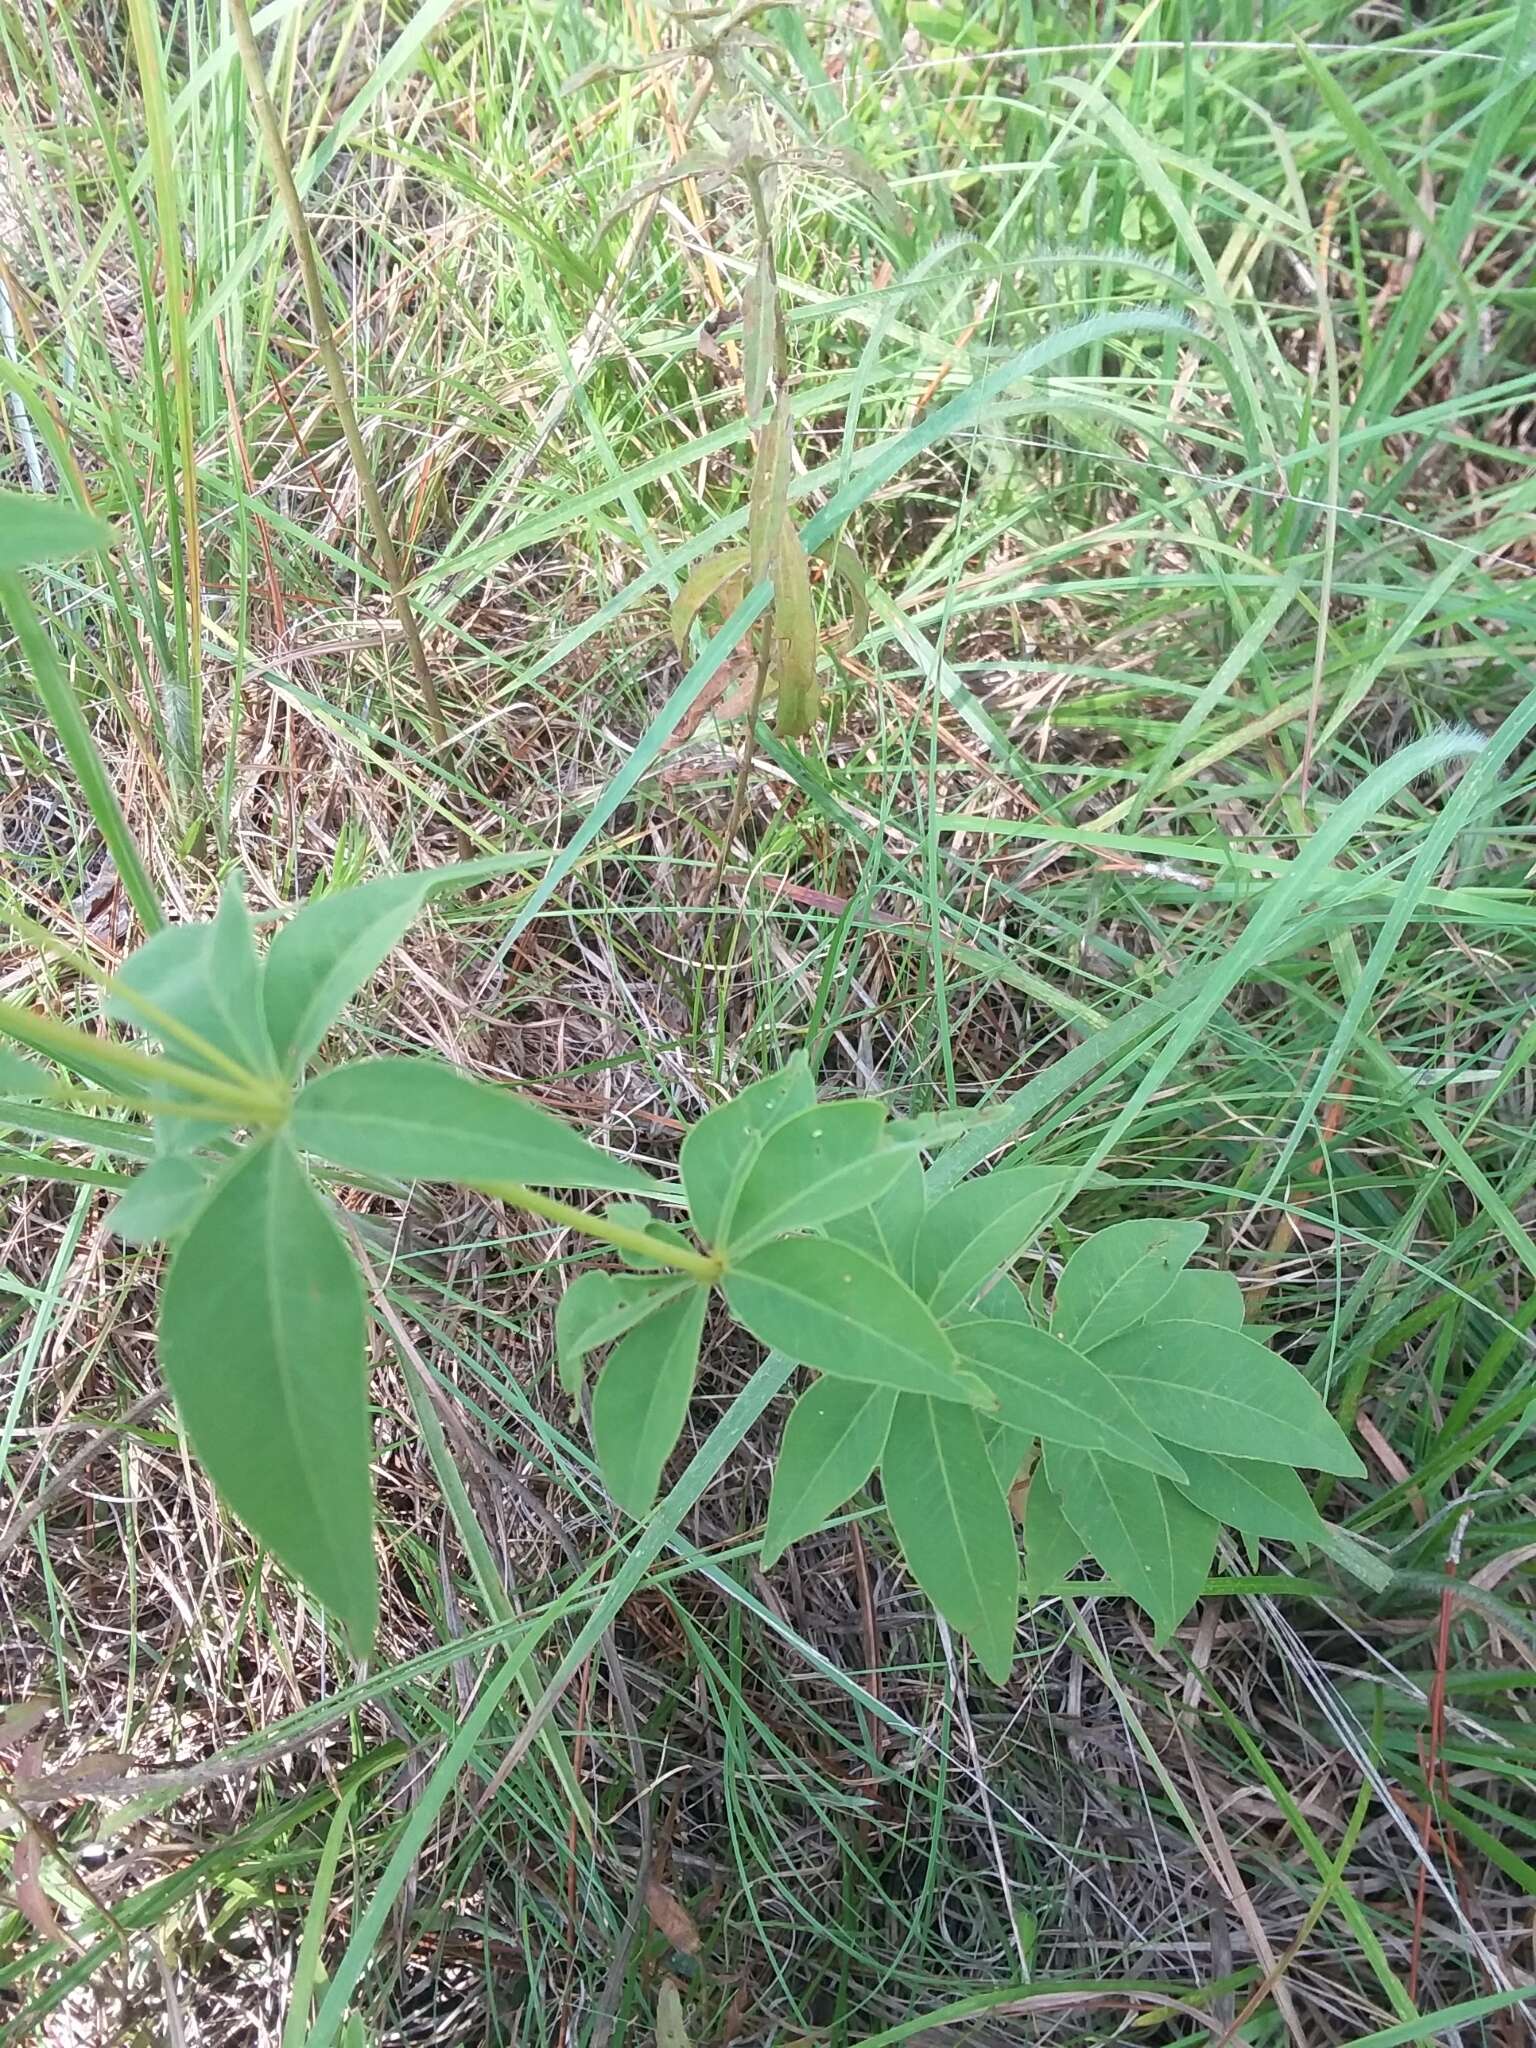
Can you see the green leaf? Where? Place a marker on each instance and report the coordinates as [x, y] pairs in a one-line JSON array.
[[834, 1308], [22, 1080], [814, 1168], [1154, 1544], [832, 1442], [35, 529], [1218, 1390], [1260, 1499], [1202, 1296], [324, 955], [261, 1341], [953, 1524], [1007, 1448], [759, 333], [641, 1398], [769, 493], [1052, 1547], [1003, 1302], [722, 1148], [1047, 1388], [162, 1201], [795, 643], [417, 1119], [982, 1225], [208, 977], [598, 1308], [887, 1229], [844, 564], [1269, 1500], [1118, 1276]]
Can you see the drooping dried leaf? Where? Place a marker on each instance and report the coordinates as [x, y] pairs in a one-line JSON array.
[[671, 1919], [770, 494], [794, 634], [760, 333], [26, 1879], [717, 576]]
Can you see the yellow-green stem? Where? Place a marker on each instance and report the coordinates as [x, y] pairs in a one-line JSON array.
[[705, 1267], [257, 1103], [167, 1026]]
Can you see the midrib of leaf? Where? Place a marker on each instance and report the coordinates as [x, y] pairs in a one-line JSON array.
[[981, 1620], [794, 1294], [659, 1380], [301, 1031], [232, 1018], [272, 1284], [813, 1476], [1081, 1340], [1217, 1397], [1112, 1504], [783, 1216], [752, 1151], [1167, 1588]]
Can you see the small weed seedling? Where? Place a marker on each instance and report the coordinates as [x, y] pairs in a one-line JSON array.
[[1145, 1414]]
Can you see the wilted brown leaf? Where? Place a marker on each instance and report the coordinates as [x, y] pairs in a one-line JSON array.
[[26, 1875], [728, 694], [671, 1919]]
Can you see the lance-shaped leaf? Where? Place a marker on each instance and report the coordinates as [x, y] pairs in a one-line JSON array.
[[759, 333], [708, 579], [163, 1200], [888, 1228], [324, 955], [1046, 1388], [981, 1225], [1200, 1295], [1118, 1276], [795, 644], [208, 978], [813, 1168], [1154, 1544], [832, 1442], [769, 495], [641, 1398], [1269, 1500], [261, 1342], [833, 1308], [723, 1147], [1052, 1547], [416, 1119], [596, 1309], [1218, 1390], [953, 1524]]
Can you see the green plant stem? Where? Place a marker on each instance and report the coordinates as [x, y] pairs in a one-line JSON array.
[[84, 757], [705, 1267], [330, 359], [254, 1103], [167, 1026]]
